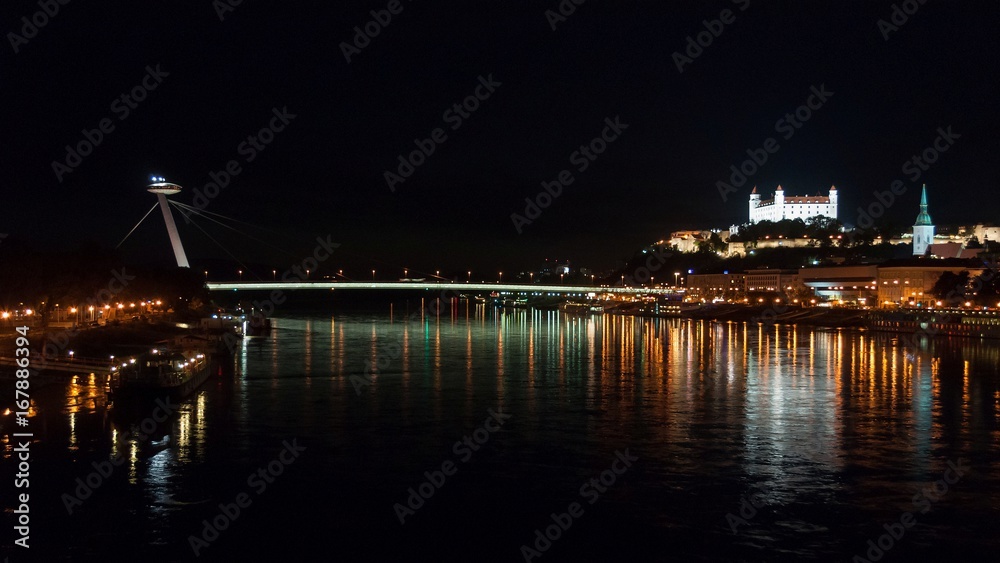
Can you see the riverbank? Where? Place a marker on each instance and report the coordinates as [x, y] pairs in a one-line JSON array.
[[96, 342], [811, 316]]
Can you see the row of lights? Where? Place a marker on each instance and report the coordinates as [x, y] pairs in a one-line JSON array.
[[437, 273], [29, 312]]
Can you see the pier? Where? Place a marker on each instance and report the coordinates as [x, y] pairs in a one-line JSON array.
[[74, 365]]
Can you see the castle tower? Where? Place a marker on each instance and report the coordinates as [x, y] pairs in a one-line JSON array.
[[833, 202], [923, 229], [754, 203], [779, 204]]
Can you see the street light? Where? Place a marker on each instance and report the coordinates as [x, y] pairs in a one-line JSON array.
[[241, 275], [470, 276], [676, 276], [373, 275], [501, 278], [274, 275], [206, 275]]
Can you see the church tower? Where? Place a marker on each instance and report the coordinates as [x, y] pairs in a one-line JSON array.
[[923, 229]]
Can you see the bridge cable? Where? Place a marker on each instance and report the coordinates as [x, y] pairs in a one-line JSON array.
[[205, 212], [137, 224], [224, 249], [184, 207]]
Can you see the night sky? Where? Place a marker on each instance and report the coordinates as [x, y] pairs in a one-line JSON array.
[[324, 173]]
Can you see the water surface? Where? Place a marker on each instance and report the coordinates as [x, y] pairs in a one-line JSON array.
[[831, 432]]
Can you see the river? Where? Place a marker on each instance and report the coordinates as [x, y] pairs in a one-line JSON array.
[[621, 438]]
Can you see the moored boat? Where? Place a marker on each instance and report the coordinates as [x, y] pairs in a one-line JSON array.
[[978, 324], [160, 373], [575, 308], [257, 326]]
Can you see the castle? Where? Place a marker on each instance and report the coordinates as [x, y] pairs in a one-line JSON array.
[[792, 207]]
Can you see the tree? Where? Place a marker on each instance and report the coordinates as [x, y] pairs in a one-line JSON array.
[[987, 288], [951, 287], [717, 243], [714, 245]]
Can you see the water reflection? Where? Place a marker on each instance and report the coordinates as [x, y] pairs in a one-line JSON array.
[[820, 397], [714, 409]]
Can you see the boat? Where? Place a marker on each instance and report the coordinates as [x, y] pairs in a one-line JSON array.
[[515, 303], [257, 326], [971, 323], [160, 374], [574, 308]]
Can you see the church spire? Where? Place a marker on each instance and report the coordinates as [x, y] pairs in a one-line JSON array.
[[923, 229], [923, 218]]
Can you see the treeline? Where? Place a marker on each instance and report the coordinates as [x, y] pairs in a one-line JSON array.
[[88, 275]]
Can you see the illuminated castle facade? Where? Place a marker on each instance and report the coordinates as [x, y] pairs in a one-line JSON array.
[[792, 207]]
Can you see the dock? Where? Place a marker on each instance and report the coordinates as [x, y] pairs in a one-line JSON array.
[[75, 365]]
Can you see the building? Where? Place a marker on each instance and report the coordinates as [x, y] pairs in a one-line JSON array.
[[923, 229], [771, 280], [856, 284], [687, 241], [909, 282], [717, 286], [793, 207], [985, 232], [691, 241], [741, 248], [952, 249]]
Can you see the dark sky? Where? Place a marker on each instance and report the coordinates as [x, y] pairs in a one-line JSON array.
[[324, 173]]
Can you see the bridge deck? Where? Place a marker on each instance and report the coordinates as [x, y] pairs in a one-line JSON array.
[[458, 287]]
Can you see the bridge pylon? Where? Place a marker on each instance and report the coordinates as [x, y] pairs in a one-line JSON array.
[[162, 189]]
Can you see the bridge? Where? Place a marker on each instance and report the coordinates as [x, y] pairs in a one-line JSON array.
[[162, 188], [459, 287]]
